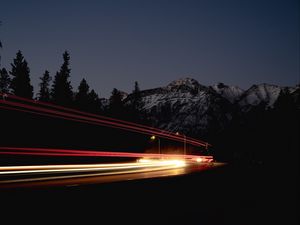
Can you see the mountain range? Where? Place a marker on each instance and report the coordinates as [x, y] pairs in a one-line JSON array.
[[188, 107]]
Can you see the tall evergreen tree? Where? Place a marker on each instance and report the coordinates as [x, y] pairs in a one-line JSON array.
[[20, 83], [136, 97], [44, 94], [4, 81], [116, 107], [82, 96], [94, 102], [136, 87], [61, 92], [0, 40], [135, 105]]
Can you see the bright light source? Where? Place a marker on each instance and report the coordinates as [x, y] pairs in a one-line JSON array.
[[199, 160], [144, 160], [163, 162], [179, 163], [152, 137]]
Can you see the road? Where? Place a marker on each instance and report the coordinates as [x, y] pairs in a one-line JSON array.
[[80, 174], [230, 194]]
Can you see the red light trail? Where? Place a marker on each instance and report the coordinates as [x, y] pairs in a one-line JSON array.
[[88, 153], [83, 117], [8, 96]]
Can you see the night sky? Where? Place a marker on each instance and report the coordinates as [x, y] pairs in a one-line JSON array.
[[114, 43]]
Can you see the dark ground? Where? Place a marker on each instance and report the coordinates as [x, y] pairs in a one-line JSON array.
[[229, 195]]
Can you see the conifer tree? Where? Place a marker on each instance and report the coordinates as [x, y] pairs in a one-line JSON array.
[[116, 107], [61, 92], [82, 96], [20, 83], [136, 97], [0, 40], [44, 94], [135, 105], [4, 81], [87, 100], [94, 102]]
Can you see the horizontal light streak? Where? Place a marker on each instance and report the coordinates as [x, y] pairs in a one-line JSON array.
[[72, 152], [106, 169]]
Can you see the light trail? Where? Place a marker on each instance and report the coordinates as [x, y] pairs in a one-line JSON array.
[[89, 153], [91, 119], [55, 172], [162, 164], [81, 174]]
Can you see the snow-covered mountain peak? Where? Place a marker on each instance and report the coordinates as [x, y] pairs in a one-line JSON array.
[[231, 93], [185, 105], [257, 94], [188, 107], [219, 86], [188, 82]]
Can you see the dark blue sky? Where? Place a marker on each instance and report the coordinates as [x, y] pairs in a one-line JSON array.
[[114, 43]]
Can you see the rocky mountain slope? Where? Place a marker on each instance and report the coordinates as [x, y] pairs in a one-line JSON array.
[[188, 107]]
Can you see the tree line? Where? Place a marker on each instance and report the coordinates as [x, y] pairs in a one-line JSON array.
[[17, 82]]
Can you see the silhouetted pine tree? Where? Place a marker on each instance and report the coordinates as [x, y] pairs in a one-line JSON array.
[[0, 40], [4, 81], [44, 94], [82, 96], [87, 100], [20, 83], [136, 97], [134, 108], [116, 106], [61, 92], [94, 102]]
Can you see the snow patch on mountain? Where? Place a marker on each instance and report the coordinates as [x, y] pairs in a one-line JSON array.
[[293, 89], [187, 82], [185, 105], [231, 93], [262, 93]]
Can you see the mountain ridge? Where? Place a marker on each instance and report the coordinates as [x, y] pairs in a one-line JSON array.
[[186, 106]]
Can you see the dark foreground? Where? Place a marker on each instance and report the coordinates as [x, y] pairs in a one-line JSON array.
[[226, 195]]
